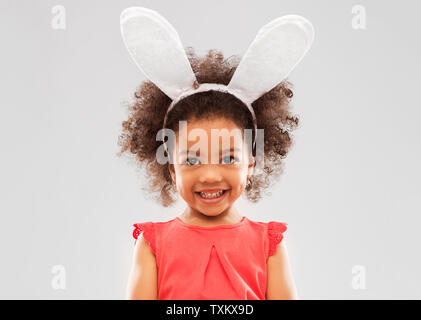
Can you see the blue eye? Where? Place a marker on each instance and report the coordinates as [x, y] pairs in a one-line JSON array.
[[228, 160], [192, 161]]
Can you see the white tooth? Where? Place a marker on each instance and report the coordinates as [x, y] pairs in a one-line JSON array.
[[211, 195]]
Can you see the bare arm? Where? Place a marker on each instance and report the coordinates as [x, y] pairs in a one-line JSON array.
[[143, 282], [280, 283]]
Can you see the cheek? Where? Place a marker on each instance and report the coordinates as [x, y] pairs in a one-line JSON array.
[[185, 182], [238, 179]]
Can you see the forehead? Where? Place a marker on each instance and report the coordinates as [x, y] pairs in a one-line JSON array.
[[206, 131], [212, 123]]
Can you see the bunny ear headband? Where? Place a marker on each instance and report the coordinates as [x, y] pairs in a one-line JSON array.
[[155, 46]]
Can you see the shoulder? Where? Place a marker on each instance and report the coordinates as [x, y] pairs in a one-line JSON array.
[[149, 227], [257, 225], [150, 231], [273, 233], [270, 227]]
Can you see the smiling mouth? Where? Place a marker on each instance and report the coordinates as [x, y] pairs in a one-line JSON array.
[[211, 194]]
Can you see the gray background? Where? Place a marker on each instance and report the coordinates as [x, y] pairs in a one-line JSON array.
[[350, 191]]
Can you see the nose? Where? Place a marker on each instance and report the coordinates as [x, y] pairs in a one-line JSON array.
[[210, 173]]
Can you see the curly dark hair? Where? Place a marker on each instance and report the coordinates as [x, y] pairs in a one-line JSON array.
[[147, 112]]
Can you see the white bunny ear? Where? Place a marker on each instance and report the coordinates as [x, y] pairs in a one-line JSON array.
[[278, 47], [155, 46]]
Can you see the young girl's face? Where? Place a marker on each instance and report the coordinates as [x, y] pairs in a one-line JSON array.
[[208, 186]]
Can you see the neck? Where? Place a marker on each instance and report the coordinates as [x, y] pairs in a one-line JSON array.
[[228, 216]]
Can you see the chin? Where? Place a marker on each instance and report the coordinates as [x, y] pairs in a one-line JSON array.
[[209, 211]]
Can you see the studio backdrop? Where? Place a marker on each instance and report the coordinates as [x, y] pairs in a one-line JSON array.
[[349, 191]]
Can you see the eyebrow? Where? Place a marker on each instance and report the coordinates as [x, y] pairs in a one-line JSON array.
[[230, 150]]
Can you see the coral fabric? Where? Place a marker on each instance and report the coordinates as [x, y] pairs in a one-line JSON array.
[[226, 262]]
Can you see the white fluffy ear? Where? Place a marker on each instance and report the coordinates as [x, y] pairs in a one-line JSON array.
[[155, 46], [278, 47]]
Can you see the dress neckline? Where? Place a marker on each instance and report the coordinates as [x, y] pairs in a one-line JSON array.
[[222, 226]]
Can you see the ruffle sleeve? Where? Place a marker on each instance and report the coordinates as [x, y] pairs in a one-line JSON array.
[[148, 234], [275, 235]]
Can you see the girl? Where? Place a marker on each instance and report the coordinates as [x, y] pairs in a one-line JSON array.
[[211, 251]]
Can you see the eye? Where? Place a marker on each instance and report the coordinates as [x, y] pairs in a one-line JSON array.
[[229, 160], [192, 161]]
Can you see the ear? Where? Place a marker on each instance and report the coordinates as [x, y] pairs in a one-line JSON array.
[[155, 47], [277, 49]]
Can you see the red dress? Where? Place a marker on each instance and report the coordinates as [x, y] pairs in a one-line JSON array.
[[226, 262]]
